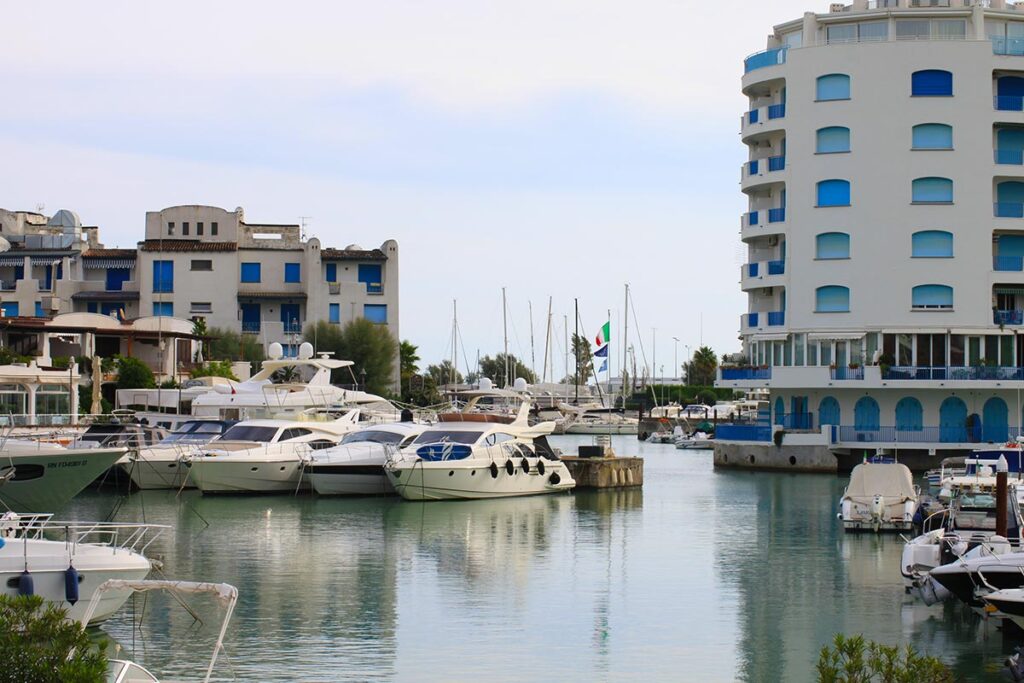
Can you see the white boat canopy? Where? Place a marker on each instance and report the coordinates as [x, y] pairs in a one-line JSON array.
[[891, 480]]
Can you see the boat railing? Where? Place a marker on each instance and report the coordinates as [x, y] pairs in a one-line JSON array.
[[132, 536]]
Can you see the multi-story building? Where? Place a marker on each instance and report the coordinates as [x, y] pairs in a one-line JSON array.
[[885, 233], [198, 263]]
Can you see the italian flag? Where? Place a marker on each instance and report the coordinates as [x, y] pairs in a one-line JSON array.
[[605, 335]]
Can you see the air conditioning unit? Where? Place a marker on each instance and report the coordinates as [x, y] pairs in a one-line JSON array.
[[836, 7], [773, 241], [51, 303]]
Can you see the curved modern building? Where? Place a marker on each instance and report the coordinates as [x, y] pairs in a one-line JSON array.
[[885, 233]]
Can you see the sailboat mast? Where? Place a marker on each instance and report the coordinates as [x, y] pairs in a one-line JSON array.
[[547, 344], [565, 329], [625, 343], [575, 351], [533, 355], [455, 347], [504, 324]]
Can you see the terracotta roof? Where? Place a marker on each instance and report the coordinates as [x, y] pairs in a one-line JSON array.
[[110, 253], [186, 245], [352, 255]]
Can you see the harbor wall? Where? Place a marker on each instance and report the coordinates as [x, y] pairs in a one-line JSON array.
[[760, 456]]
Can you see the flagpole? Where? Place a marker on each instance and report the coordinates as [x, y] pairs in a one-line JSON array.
[[608, 377]]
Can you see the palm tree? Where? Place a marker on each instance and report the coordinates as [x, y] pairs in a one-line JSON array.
[[702, 367]]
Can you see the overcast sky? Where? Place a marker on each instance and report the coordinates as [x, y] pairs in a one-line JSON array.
[[558, 148]]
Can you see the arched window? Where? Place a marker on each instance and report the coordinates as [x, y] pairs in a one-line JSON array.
[[931, 244], [994, 420], [931, 83], [828, 411], [780, 411], [866, 414], [834, 193], [833, 87], [933, 136], [832, 299], [932, 191], [832, 140], [832, 245], [953, 421], [932, 297], [909, 415]]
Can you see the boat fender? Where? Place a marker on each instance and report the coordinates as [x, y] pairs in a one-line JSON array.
[[26, 584], [71, 584], [494, 470], [555, 480], [509, 467], [526, 466], [540, 470]]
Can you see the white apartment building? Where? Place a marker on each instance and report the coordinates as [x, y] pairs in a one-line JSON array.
[[885, 233], [197, 263]]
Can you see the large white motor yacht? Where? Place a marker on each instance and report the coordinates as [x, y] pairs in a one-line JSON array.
[[40, 477], [159, 466], [478, 455], [64, 562], [265, 456], [356, 465]]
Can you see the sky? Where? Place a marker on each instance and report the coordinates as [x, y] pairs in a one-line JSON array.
[[559, 149]]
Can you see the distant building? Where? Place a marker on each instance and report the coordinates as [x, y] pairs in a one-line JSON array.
[[197, 263]]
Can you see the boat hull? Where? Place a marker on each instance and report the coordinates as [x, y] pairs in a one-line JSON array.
[[229, 475], [472, 481], [350, 479], [46, 481], [154, 469]]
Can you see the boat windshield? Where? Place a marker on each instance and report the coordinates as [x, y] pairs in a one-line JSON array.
[[447, 436], [373, 436], [250, 433], [193, 432]]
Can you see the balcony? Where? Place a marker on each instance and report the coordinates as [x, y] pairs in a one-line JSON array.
[[1009, 102], [740, 374], [8, 285], [751, 433], [1008, 317], [854, 434], [250, 327], [752, 218], [954, 374], [776, 318], [1009, 210], [776, 267], [777, 215], [1013, 47], [845, 374], [764, 59], [1013, 157], [1008, 263], [752, 319], [753, 269], [776, 111], [293, 327]]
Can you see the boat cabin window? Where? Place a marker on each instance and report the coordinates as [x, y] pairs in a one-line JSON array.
[[448, 436], [372, 436], [321, 444], [498, 437], [525, 450], [294, 433], [194, 432], [250, 433]]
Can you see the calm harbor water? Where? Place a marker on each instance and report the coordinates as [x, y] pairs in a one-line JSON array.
[[699, 576]]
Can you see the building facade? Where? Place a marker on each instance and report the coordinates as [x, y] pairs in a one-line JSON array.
[[197, 263], [885, 229]]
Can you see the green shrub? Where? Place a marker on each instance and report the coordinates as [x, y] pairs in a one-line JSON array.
[[132, 373], [35, 640], [855, 660], [215, 368]]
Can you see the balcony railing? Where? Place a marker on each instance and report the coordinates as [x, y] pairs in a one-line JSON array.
[[777, 215], [776, 267], [1008, 46], [8, 285], [753, 116], [753, 218], [743, 433], [752, 269], [929, 3], [250, 327], [776, 318], [865, 434], [1009, 210], [776, 164], [847, 373], [753, 167], [292, 327], [752, 319], [798, 421], [761, 60], [1008, 317], [1009, 102], [1008, 263], [1010, 156], [734, 374], [776, 111], [963, 374]]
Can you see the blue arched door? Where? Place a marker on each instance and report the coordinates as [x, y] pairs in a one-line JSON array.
[[866, 414], [994, 422], [953, 421], [828, 411], [780, 411], [909, 415]]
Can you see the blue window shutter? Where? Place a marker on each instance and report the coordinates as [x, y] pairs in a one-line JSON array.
[[833, 139], [165, 308], [9, 308], [39, 309], [932, 190], [832, 299], [1011, 245], [931, 83], [371, 275], [292, 272], [931, 244], [163, 276], [250, 272], [334, 313], [932, 296], [375, 313], [332, 272], [833, 87], [933, 136], [834, 193], [832, 245]]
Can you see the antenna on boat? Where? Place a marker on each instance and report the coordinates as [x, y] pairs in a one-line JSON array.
[[504, 324]]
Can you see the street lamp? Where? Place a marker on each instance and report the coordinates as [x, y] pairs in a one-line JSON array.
[[362, 378], [71, 389], [675, 357]]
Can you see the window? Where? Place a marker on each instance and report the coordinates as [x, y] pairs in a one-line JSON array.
[[842, 33], [202, 264], [834, 193], [292, 272], [936, 29], [932, 191], [213, 228], [163, 277], [163, 308], [832, 140], [116, 277], [931, 83], [201, 307], [932, 296], [832, 299], [334, 314], [170, 228], [199, 228], [832, 245], [250, 272], [865, 32], [184, 227], [371, 275], [331, 272], [9, 309], [933, 136], [931, 244], [39, 309], [375, 313], [833, 87]]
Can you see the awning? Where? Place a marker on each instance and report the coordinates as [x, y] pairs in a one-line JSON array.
[[1009, 290], [16, 261], [830, 336], [103, 263], [770, 337]]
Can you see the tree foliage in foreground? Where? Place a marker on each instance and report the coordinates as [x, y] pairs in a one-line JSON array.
[[856, 660], [35, 640]]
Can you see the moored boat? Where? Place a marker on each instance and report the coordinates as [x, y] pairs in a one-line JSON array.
[[356, 465], [160, 466], [40, 477], [881, 496]]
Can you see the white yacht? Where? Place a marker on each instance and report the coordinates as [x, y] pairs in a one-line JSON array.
[[64, 561], [265, 456], [39, 477], [881, 496], [160, 466], [601, 421], [356, 465], [472, 455]]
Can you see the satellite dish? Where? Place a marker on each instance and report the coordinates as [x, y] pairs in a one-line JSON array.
[[305, 351], [485, 384], [4, 245], [520, 384], [275, 351]]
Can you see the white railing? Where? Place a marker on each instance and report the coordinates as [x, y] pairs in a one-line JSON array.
[[117, 535]]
